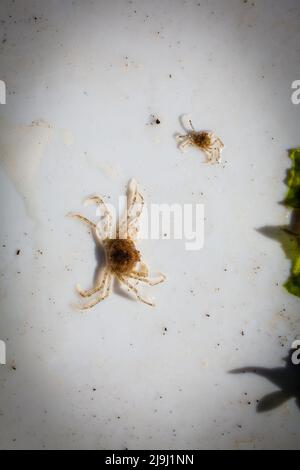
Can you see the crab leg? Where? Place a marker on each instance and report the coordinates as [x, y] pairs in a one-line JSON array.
[[135, 290], [83, 219], [101, 297], [93, 290], [146, 280]]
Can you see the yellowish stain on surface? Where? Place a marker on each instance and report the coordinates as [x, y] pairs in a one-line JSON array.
[[112, 172], [21, 151], [67, 137]]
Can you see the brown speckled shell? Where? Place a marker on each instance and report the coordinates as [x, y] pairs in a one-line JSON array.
[[122, 255], [201, 139]]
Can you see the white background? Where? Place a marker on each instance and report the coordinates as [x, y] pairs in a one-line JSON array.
[[83, 79]]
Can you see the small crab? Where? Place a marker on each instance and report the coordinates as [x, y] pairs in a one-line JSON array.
[[206, 141], [123, 259]]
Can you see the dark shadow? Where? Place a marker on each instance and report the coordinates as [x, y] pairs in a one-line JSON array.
[[284, 235], [100, 258], [286, 378]]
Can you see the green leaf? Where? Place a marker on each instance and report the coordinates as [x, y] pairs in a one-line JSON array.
[[293, 195], [293, 200]]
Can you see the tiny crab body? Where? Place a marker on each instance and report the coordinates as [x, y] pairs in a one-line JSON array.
[[122, 255], [208, 142], [123, 260]]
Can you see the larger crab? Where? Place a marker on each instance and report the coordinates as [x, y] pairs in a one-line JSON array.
[[123, 259]]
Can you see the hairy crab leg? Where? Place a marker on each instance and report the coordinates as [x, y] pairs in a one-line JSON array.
[[191, 124], [83, 219], [146, 280], [93, 290], [135, 290], [126, 228], [100, 202], [101, 297], [142, 270]]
